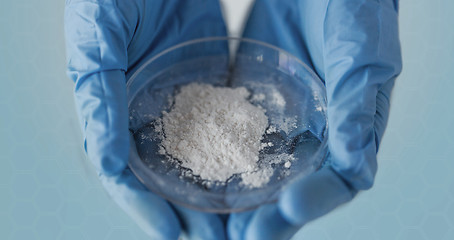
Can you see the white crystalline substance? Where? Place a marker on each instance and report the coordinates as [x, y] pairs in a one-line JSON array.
[[215, 132], [275, 103], [271, 129], [258, 97], [263, 175], [258, 178], [278, 99]]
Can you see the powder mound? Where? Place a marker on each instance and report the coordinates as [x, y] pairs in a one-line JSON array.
[[214, 131]]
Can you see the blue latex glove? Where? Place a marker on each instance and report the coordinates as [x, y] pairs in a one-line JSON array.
[[106, 42], [353, 45]]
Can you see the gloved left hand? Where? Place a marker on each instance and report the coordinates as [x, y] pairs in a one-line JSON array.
[[353, 45], [106, 42]]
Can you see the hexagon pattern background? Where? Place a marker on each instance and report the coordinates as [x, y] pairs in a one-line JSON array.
[[49, 190]]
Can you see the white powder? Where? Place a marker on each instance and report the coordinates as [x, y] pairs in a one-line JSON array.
[[216, 132], [278, 99], [269, 95], [257, 178], [261, 176]]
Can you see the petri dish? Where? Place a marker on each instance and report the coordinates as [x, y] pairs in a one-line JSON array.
[[267, 72]]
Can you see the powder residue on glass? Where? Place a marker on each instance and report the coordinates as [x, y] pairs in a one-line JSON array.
[[217, 133]]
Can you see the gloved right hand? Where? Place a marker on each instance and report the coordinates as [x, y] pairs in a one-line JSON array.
[[353, 45], [106, 42]]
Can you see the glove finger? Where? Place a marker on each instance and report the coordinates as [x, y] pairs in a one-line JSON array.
[[200, 225], [237, 224], [264, 223], [106, 40], [314, 196], [358, 59], [97, 61], [152, 213], [382, 113], [362, 57]]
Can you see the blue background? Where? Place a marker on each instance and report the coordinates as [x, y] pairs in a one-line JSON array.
[[49, 191]]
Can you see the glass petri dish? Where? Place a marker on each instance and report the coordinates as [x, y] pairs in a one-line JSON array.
[[264, 70]]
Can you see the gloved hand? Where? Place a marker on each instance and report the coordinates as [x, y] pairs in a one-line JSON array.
[[106, 42], [353, 45]]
